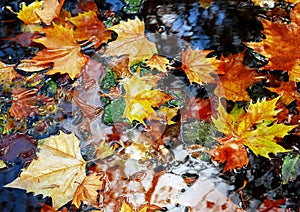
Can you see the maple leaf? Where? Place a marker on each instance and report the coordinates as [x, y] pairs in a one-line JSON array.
[[287, 91], [236, 78], [27, 13], [88, 25], [232, 152], [88, 190], [271, 205], [45, 10], [125, 207], [58, 156], [27, 102], [257, 129], [158, 62], [279, 35], [131, 41], [141, 98], [62, 50], [197, 66], [7, 73]]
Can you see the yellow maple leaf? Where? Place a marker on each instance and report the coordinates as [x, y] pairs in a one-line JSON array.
[[27, 13], [45, 11], [131, 41], [256, 128], [58, 156], [88, 190], [158, 62], [127, 208], [141, 98], [62, 50], [197, 67]]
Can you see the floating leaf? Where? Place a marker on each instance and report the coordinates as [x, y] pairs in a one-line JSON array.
[[62, 50], [197, 66], [59, 156], [158, 62], [236, 78], [88, 190], [87, 26], [257, 129], [131, 41]]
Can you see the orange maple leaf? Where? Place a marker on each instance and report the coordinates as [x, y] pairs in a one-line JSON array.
[[62, 50], [88, 190], [87, 26], [231, 152], [287, 91], [236, 78], [197, 66], [282, 43], [131, 41]]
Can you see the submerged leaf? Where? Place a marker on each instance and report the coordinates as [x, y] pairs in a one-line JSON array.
[[290, 168]]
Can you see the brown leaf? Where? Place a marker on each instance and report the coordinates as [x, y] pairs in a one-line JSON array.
[[87, 26], [287, 91], [27, 102], [7, 73], [49, 10]]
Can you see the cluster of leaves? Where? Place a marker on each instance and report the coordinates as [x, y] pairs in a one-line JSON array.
[[121, 87]]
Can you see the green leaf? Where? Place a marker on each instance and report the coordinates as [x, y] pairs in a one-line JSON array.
[[290, 168]]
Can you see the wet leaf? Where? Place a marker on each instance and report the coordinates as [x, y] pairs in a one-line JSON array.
[[49, 10], [141, 98], [88, 26], [44, 176], [88, 190], [271, 205], [290, 168], [236, 78], [198, 67], [275, 45], [158, 62], [287, 91], [62, 50], [27, 102], [45, 10], [131, 41], [7, 73], [27, 13], [257, 129]]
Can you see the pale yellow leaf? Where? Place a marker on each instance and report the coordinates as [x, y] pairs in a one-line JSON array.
[[57, 171], [131, 41]]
